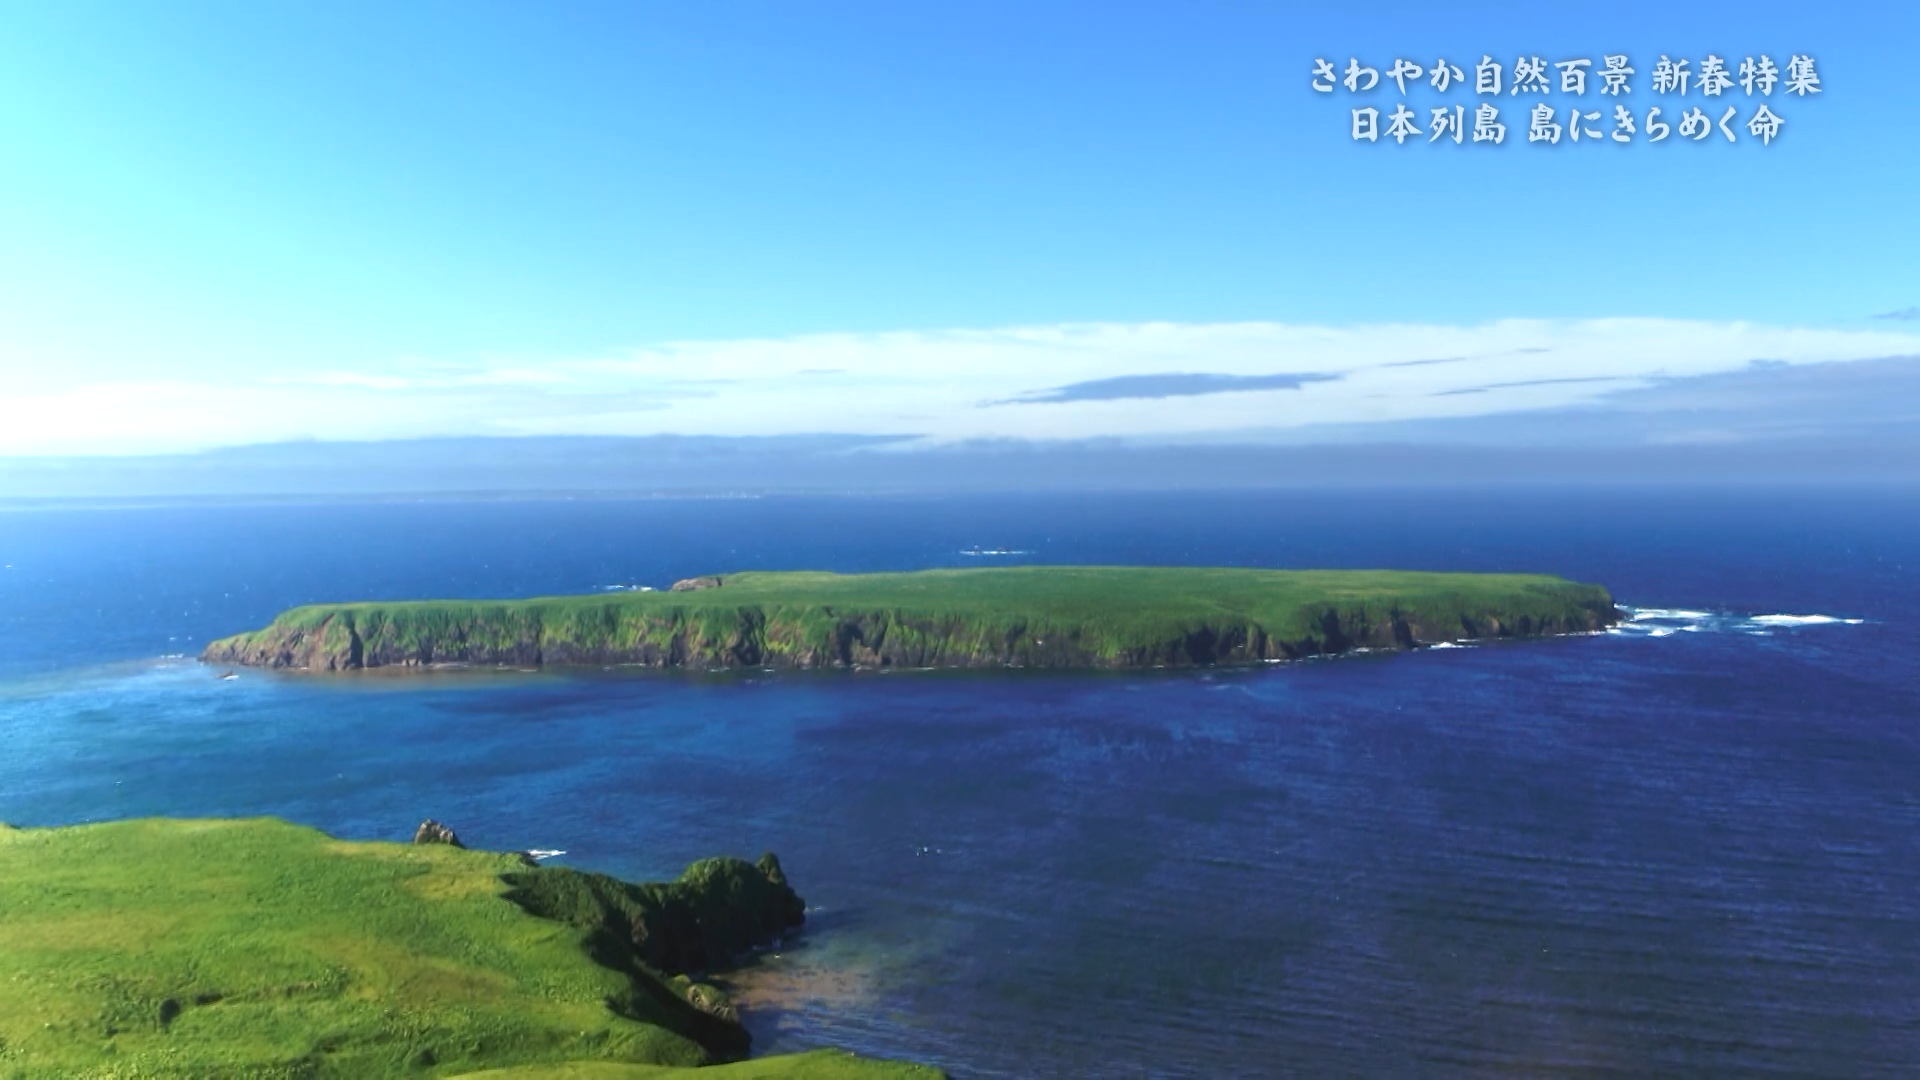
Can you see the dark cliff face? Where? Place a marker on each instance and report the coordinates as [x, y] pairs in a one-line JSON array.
[[659, 935], [749, 637]]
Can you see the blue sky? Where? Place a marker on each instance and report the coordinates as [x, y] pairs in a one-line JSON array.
[[360, 220]]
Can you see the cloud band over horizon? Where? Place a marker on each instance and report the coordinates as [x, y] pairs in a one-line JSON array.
[[1170, 382]]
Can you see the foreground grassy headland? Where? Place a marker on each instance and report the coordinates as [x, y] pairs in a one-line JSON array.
[[1053, 616], [255, 948]]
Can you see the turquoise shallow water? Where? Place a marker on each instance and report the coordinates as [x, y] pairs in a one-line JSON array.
[[1687, 847]]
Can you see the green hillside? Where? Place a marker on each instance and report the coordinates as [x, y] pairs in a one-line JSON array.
[[259, 949]]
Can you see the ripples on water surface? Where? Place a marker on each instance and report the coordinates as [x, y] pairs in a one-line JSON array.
[[1686, 847]]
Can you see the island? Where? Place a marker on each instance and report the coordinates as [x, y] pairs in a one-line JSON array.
[[258, 948], [1022, 617]]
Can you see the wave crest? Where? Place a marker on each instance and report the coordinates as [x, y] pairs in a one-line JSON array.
[[1666, 622]]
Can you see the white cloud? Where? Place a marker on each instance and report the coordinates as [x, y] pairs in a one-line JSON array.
[[942, 385], [453, 380]]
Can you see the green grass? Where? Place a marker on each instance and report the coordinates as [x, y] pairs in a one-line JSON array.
[[255, 948], [1027, 616]]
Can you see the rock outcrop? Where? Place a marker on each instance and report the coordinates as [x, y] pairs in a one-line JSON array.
[[432, 832], [718, 911]]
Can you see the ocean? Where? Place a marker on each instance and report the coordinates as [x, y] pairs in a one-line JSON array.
[[1687, 847]]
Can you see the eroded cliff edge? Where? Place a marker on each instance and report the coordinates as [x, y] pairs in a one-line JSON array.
[[1033, 617]]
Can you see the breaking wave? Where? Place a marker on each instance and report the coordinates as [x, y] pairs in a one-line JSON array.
[[1804, 620], [1666, 622]]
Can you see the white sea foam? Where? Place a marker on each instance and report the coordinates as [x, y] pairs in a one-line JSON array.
[[1804, 620], [1448, 645], [540, 854], [1665, 622], [1652, 614], [1661, 622]]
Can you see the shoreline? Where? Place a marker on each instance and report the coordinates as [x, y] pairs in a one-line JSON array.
[[451, 671]]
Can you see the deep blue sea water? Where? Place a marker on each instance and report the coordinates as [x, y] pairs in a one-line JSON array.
[[1691, 848]]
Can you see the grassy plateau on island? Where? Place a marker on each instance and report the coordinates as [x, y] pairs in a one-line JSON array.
[[1036, 616], [258, 949]]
